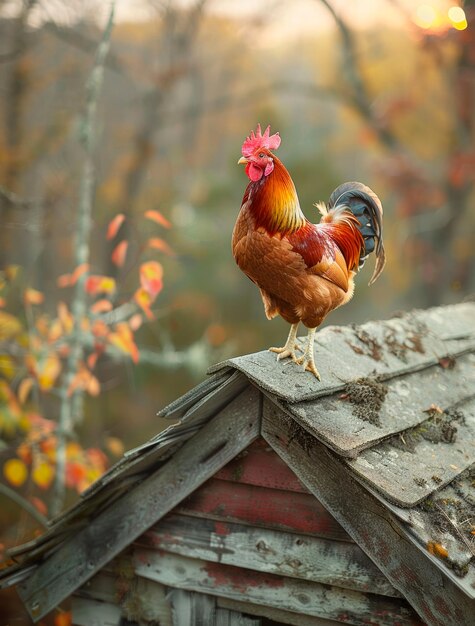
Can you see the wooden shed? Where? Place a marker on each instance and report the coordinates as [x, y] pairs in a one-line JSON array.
[[277, 499]]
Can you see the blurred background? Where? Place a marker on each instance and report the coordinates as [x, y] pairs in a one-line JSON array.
[[381, 92]]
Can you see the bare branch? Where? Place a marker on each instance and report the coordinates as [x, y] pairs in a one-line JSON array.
[[78, 305], [23, 503]]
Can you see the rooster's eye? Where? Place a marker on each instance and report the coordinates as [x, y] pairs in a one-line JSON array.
[[261, 155]]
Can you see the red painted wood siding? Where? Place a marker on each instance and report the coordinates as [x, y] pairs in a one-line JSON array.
[[257, 488]]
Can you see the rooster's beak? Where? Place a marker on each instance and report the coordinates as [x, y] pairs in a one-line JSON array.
[[243, 161]]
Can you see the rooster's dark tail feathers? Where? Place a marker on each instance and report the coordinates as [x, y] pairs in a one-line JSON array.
[[367, 208]]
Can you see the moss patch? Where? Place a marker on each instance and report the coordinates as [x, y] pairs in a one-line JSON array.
[[440, 427], [367, 397]]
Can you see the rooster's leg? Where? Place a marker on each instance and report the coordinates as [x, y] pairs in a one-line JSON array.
[[290, 345], [307, 360]]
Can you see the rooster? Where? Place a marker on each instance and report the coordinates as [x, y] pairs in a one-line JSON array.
[[303, 270]]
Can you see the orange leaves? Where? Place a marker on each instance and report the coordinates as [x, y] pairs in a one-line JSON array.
[[32, 296], [15, 471], [123, 339], [437, 549], [114, 226], [145, 301], [100, 284], [157, 217], [84, 380], [65, 317], [151, 274], [64, 618], [101, 306], [68, 280], [115, 446], [83, 467], [44, 365], [160, 244], [119, 253]]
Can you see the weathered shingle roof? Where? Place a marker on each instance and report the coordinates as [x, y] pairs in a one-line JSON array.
[[395, 407]]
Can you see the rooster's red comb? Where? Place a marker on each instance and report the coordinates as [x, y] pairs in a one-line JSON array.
[[258, 140]]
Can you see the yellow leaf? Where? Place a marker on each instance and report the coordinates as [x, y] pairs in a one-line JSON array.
[[15, 471], [7, 366], [49, 370], [123, 339], [24, 389], [42, 474], [144, 300], [9, 325]]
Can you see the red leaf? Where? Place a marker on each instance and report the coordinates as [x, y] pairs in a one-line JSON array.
[[119, 253], [114, 225], [100, 284], [157, 217], [159, 244], [151, 274], [39, 505]]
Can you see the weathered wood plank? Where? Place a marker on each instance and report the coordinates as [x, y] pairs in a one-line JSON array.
[[351, 607], [412, 470], [101, 587], [124, 520], [383, 537], [276, 615], [287, 554], [224, 617], [259, 465], [389, 348], [192, 608], [334, 420], [86, 612], [268, 508]]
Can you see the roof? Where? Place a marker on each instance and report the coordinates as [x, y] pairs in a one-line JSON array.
[[393, 421]]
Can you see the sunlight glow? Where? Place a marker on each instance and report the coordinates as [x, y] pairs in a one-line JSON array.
[[426, 16], [457, 17]]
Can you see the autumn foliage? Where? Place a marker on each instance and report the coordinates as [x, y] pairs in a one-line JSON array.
[[37, 344]]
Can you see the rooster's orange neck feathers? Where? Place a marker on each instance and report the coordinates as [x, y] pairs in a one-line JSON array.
[[274, 203]]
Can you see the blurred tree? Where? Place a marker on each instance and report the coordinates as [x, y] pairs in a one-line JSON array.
[[438, 202]]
